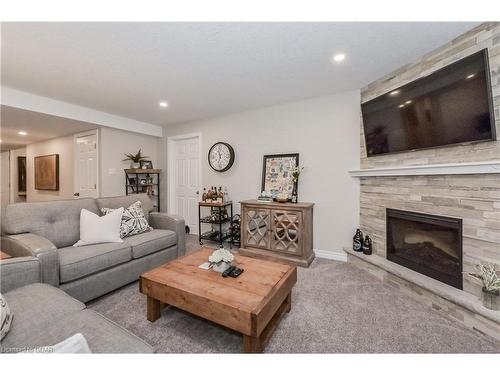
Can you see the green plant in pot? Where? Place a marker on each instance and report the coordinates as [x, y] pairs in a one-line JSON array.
[[135, 159], [491, 285]]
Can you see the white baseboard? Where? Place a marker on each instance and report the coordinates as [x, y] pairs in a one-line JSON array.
[[341, 256]]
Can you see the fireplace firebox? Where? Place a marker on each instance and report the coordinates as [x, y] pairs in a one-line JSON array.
[[428, 244]]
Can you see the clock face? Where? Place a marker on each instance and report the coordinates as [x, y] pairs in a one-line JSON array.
[[221, 157]]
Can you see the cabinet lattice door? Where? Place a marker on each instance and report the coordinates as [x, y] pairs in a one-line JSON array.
[[257, 227], [286, 231]]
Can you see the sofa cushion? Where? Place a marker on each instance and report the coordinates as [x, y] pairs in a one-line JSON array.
[[125, 201], [58, 221], [150, 242], [36, 307], [78, 262]]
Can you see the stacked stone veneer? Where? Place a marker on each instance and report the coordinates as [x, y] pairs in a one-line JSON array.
[[474, 198]]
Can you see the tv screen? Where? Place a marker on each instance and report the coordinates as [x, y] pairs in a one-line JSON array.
[[451, 105]]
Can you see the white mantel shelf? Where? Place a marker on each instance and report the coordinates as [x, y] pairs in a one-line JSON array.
[[483, 167]]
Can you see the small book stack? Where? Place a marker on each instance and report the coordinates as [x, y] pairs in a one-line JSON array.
[[265, 197]]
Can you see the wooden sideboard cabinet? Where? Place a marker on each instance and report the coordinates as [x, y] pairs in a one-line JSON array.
[[282, 231]]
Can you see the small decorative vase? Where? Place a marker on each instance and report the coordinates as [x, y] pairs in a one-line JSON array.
[[221, 267], [491, 300], [295, 197], [135, 165]]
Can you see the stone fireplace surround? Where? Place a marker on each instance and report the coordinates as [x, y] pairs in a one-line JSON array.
[[461, 181]]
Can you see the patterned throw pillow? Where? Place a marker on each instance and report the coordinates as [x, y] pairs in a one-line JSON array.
[[5, 317], [133, 220]]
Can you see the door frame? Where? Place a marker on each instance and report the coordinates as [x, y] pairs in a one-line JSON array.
[[170, 165], [97, 133]]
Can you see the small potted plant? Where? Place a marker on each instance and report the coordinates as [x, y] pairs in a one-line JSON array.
[[220, 260], [135, 159], [491, 285]]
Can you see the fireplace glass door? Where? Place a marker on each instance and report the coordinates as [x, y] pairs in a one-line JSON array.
[[428, 244]]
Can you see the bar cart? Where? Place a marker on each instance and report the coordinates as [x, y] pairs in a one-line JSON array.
[[219, 220]]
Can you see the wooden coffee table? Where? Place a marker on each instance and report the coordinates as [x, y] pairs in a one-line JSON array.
[[251, 304]]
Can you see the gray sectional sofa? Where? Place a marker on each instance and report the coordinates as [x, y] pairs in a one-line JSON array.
[[47, 231], [44, 315]]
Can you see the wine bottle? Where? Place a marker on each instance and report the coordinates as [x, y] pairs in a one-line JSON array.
[[367, 246], [357, 244], [219, 195], [209, 195], [204, 195]]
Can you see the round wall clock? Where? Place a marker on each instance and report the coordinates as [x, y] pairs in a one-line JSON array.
[[221, 156]]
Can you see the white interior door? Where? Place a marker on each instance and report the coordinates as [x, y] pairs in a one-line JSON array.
[[185, 182], [86, 165]]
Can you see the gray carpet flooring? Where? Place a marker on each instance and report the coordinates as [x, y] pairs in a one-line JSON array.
[[336, 308]]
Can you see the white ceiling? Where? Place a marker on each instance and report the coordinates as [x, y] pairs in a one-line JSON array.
[[205, 69], [39, 127]]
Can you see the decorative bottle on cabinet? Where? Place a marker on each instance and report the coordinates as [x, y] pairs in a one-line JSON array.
[[357, 244], [367, 246]]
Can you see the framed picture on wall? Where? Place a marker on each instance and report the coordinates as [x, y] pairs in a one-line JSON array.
[[47, 172], [277, 174], [21, 174]]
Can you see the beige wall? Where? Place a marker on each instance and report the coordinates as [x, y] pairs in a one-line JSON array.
[[114, 144], [14, 197], [323, 130], [62, 146]]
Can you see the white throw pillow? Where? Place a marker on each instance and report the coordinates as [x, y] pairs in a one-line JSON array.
[[5, 317], [99, 229], [75, 344]]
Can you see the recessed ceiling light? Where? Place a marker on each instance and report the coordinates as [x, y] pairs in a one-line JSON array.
[[22, 132], [164, 104], [470, 76], [395, 92], [408, 102], [401, 105], [339, 57]]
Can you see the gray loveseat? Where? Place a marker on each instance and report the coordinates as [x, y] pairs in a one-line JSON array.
[[47, 231]]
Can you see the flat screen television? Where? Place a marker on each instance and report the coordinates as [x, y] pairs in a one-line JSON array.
[[452, 105]]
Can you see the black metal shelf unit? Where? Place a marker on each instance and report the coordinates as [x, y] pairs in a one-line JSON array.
[[138, 181], [217, 219]]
